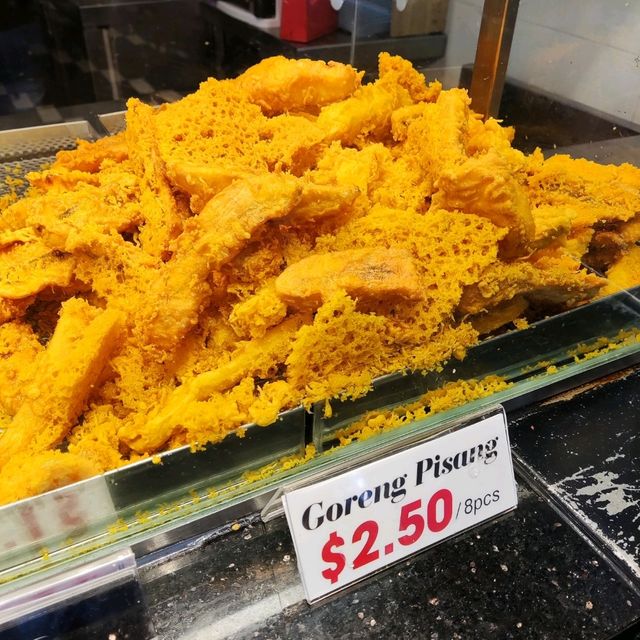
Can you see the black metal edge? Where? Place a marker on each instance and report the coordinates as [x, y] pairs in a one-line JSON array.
[[575, 381]]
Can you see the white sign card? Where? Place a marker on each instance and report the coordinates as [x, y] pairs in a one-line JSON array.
[[356, 523]]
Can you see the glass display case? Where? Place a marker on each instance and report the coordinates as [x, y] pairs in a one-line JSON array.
[[564, 76]]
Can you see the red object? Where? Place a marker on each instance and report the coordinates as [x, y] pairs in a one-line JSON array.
[[306, 20]]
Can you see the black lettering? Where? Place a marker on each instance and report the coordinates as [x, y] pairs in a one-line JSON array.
[[347, 504], [491, 452], [436, 467], [460, 460], [423, 467], [399, 492], [317, 520], [447, 465], [477, 450], [364, 497], [334, 512]]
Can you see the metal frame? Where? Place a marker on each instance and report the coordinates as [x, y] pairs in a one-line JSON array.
[[492, 55]]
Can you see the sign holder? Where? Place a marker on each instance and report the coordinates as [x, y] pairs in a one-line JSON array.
[[352, 520]]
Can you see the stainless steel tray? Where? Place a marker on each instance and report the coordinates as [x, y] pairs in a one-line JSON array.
[[156, 502], [113, 122]]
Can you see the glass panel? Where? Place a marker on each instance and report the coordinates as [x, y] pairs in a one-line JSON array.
[[139, 486], [570, 87], [540, 356], [38, 534], [147, 499], [113, 122]]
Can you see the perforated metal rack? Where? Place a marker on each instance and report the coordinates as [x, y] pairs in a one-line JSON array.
[[28, 149], [37, 142]]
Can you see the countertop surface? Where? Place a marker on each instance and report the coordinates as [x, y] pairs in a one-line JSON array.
[[535, 573], [585, 453], [529, 575]]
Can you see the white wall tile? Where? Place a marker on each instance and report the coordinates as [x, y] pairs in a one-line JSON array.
[[615, 23], [586, 51], [599, 76], [463, 26], [636, 114]]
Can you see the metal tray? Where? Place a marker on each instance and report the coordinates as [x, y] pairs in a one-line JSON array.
[[155, 502]]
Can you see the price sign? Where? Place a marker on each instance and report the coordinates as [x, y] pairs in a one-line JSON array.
[[356, 523], [53, 516]]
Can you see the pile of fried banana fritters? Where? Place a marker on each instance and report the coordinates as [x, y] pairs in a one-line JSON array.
[[273, 240]]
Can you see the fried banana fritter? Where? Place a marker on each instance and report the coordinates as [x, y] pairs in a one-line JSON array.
[[14, 309], [43, 471], [27, 269], [554, 280], [89, 156], [365, 274], [181, 291], [162, 219], [625, 272], [280, 85], [202, 182], [254, 358], [67, 373], [274, 240], [19, 354], [485, 185]]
